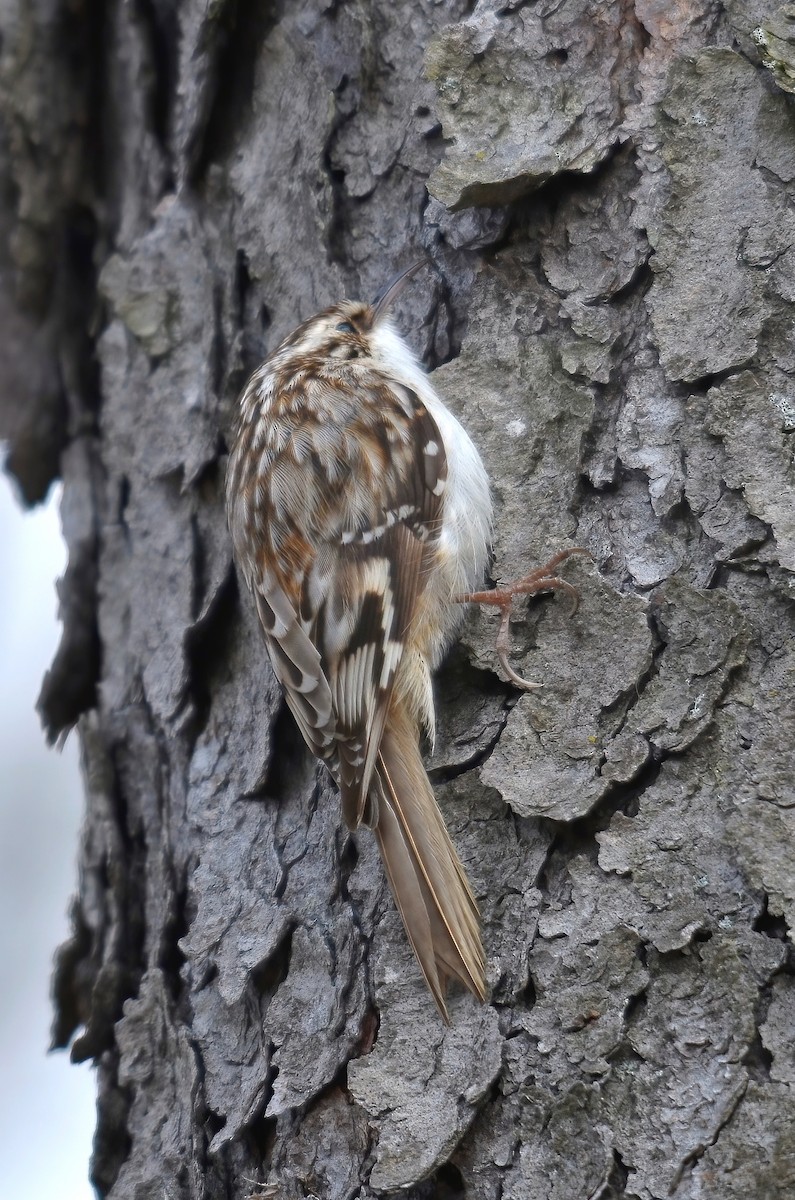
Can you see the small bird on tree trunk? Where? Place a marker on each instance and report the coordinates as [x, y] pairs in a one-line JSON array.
[[360, 517]]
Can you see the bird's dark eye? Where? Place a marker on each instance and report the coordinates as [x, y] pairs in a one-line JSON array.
[[345, 327]]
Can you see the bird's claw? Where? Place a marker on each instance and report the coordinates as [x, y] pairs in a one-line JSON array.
[[543, 579]]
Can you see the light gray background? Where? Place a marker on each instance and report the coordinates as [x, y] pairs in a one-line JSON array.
[[46, 1104]]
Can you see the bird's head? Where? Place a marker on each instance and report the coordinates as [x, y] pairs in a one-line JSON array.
[[348, 330]]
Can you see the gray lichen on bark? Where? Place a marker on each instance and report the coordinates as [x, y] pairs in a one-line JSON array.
[[605, 192]]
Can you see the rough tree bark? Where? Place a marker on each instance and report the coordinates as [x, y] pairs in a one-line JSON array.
[[605, 189]]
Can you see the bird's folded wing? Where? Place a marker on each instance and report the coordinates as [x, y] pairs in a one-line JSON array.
[[356, 506]]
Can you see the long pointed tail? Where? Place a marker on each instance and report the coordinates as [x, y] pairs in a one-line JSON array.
[[427, 879]]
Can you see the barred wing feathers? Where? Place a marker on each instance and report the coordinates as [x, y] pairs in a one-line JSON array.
[[352, 478]]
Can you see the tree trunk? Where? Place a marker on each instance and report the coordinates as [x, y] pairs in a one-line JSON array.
[[605, 191]]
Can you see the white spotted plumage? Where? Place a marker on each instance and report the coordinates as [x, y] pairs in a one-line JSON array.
[[359, 510]]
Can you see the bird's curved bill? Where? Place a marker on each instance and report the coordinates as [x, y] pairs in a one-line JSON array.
[[388, 295]]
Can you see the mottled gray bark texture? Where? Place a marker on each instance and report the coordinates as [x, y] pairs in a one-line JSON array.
[[606, 192]]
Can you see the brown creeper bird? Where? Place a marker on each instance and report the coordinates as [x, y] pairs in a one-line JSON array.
[[360, 518]]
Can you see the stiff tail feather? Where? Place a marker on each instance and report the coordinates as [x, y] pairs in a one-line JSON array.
[[428, 882]]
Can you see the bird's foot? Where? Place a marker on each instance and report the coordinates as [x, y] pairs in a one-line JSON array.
[[543, 579]]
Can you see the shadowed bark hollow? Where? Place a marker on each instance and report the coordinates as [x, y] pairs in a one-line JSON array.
[[605, 190]]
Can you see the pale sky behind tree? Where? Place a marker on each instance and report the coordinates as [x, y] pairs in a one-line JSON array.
[[46, 1103]]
